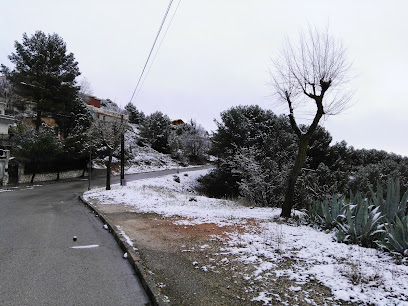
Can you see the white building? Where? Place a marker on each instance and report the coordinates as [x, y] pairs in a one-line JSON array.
[[98, 113], [5, 120]]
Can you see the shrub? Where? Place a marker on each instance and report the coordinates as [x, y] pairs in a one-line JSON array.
[[219, 183]]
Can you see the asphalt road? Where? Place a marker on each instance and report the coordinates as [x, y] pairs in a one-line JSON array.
[[38, 262]]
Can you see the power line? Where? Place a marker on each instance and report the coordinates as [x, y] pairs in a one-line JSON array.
[[151, 50], [158, 48]]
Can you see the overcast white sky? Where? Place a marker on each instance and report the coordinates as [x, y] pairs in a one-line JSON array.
[[217, 54]]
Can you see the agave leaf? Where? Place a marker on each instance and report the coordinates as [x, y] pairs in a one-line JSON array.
[[403, 205], [394, 243], [342, 233], [400, 232], [379, 231], [396, 235], [392, 200], [336, 207]]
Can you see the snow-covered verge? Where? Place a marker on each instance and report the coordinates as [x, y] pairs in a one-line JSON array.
[[273, 250]]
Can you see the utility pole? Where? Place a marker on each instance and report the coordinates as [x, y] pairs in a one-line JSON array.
[[122, 155], [89, 169]]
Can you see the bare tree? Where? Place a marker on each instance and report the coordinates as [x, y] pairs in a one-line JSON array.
[[8, 95], [106, 139], [311, 73], [85, 89]]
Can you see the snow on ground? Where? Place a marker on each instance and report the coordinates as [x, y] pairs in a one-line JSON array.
[[146, 159], [352, 273], [142, 159]]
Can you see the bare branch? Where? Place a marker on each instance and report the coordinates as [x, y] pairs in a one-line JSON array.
[[314, 69]]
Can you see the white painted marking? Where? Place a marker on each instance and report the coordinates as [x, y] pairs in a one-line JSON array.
[[85, 246]]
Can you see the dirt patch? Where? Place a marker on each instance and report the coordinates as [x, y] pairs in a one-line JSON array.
[[190, 266]]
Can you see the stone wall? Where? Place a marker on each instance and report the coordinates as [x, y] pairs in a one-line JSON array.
[[43, 177]]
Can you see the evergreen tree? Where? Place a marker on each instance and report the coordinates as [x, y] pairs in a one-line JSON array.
[[254, 149], [44, 73], [135, 116], [75, 118], [37, 146], [76, 142], [155, 130]]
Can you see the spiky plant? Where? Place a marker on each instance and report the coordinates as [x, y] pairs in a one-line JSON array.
[[396, 236], [327, 213], [362, 223], [392, 205]]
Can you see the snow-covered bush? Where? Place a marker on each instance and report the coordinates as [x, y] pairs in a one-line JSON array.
[[262, 180], [220, 182], [189, 142], [254, 149]]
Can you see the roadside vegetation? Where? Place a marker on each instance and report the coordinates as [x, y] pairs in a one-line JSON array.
[[267, 161], [55, 130], [202, 250]]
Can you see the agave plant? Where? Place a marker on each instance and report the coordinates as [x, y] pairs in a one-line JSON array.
[[390, 206], [326, 213], [396, 237], [361, 224]]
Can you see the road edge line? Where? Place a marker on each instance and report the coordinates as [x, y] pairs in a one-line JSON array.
[[134, 259]]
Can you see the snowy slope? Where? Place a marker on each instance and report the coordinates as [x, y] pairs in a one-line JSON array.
[[143, 159]]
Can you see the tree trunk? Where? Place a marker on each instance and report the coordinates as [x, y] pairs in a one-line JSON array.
[[35, 168], [108, 172], [32, 177], [83, 170], [293, 176], [38, 121]]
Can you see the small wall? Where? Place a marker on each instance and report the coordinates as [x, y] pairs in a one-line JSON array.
[[3, 177], [43, 177]]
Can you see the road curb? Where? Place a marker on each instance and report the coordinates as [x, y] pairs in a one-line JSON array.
[[133, 257]]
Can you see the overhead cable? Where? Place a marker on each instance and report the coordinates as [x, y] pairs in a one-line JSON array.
[[151, 50], [158, 48]]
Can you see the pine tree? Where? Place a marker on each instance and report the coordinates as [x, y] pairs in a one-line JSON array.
[[37, 146], [156, 131], [44, 73], [135, 116]]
